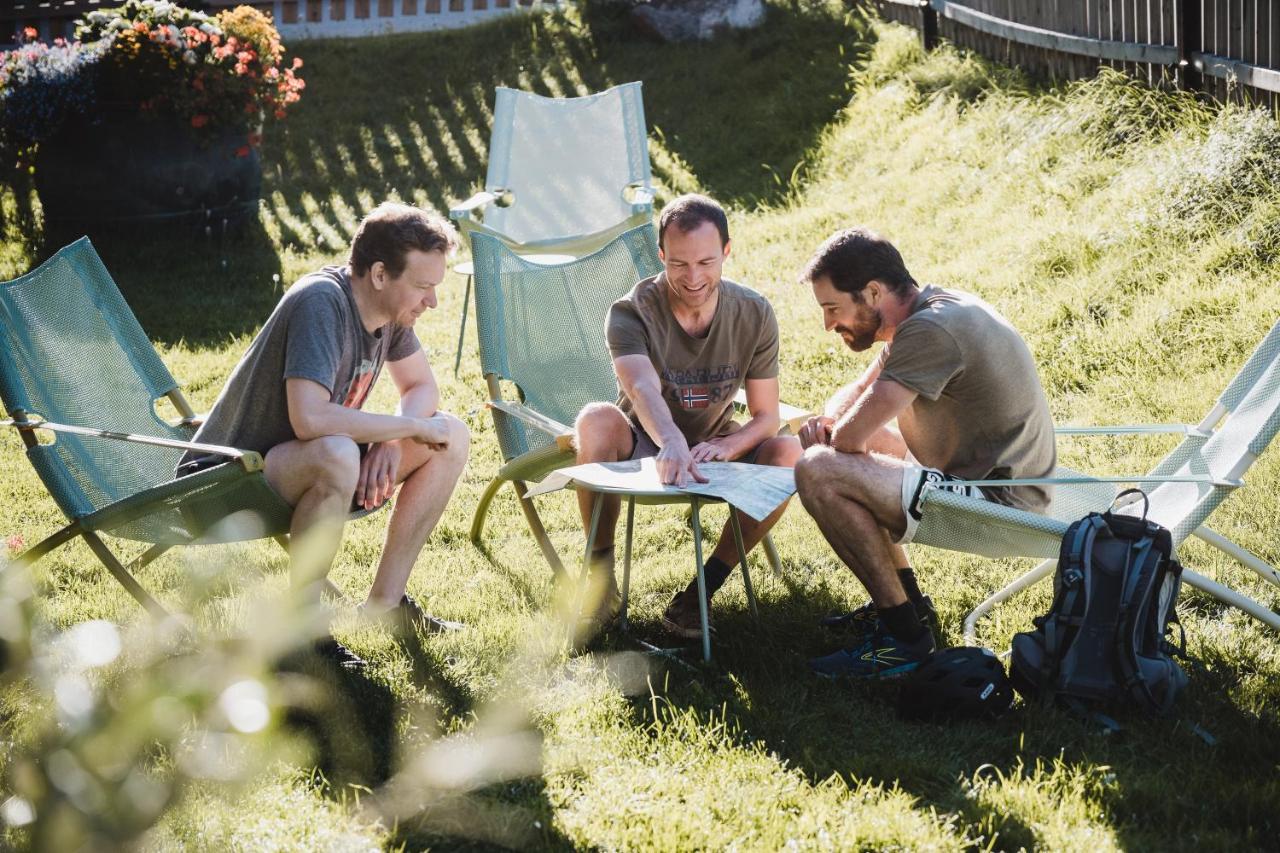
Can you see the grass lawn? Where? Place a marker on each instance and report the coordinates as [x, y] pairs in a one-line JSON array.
[[1129, 234]]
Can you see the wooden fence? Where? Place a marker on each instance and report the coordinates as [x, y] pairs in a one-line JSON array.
[[1229, 49], [295, 19]]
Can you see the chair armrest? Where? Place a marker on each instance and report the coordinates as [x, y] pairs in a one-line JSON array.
[[531, 417], [1132, 429], [1067, 481], [251, 461], [641, 196], [463, 210]]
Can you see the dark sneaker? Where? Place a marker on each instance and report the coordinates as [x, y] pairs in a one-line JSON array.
[[881, 656], [415, 619], [864, 621], [682, 617], [329, 649]]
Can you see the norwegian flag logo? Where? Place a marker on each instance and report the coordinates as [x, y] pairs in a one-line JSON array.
[[694, 397]]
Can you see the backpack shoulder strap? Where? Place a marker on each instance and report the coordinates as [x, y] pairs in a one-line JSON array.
[[1075, 562]]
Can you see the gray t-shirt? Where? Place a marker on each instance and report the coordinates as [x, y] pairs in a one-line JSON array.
[[699, 376], [314, 333], [980, 413]]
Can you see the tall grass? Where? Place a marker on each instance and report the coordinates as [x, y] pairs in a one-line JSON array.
[[1129, 234]]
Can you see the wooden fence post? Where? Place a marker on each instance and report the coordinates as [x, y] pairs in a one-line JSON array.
[[1190, 40], [928, 26]]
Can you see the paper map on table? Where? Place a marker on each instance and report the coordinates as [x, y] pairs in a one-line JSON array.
[[757, 490]]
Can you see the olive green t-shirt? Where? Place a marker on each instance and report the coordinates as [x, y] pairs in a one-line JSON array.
[[980, 413], [699, 376]]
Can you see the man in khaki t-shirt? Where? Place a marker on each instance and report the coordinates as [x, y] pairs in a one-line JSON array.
[[963, 387], [683, 343]]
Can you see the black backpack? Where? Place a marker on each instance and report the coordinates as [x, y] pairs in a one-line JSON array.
[[1103, 640]]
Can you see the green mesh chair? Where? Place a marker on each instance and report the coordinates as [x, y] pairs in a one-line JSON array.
[[1187, 486], [566, 176], [542, 329], [75, 363]]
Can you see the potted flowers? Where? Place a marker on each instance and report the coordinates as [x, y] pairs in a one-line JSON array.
[[155, 111]]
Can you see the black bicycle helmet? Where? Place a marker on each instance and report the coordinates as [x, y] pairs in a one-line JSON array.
[[963, 683]]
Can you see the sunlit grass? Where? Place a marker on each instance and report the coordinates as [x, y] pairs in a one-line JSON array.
[[1129, 234]]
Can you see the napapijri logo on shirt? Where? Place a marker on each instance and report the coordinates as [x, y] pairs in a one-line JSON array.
[[695, 397]]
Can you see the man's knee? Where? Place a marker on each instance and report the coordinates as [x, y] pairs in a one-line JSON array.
[[334, 463], [781, 450], [813, 479], [459, 437], [601, 426]]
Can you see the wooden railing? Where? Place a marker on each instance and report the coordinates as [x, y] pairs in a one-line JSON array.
[[1227, 48], [295, 19]]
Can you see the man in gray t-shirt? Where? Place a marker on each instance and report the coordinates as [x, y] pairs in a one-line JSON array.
[[963, 387], [296, 397], [683, 344]]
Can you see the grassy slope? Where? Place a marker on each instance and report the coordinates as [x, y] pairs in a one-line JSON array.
[[1135, 254]]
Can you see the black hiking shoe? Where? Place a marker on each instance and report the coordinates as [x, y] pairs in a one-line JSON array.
[[865, 620], [683, 618], [880, 656]]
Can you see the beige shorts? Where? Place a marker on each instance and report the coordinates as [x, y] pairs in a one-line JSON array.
[[643, 447], [915, 479]]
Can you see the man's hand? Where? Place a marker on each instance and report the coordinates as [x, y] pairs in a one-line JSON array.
[[676, 464], [378, 474], [433, 432], [816, 430], [713, 450]]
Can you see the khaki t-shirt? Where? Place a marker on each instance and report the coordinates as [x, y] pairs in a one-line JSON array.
[[980, 413], [699, 376]]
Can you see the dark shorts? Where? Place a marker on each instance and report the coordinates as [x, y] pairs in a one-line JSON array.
[[643, 447]]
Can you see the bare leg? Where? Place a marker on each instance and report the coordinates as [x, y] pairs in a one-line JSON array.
[[428, 478], [602, 434], [317, 478], [856, 499]]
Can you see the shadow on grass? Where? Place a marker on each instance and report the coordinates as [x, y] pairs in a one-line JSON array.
[[1148, 780]]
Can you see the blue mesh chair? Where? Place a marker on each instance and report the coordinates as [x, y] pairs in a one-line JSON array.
[[75, 363]]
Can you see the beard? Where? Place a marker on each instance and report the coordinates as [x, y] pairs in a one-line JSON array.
[[861, 338]]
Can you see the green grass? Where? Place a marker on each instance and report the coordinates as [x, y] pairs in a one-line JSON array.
[[1129, 234]]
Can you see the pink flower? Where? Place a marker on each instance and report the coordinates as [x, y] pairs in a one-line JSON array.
[[242, 151], [199, 120], [15, 543], [30, 33]]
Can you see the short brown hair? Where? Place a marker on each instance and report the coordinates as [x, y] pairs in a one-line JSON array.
[[856, 256], [688, 211], [391, 231]]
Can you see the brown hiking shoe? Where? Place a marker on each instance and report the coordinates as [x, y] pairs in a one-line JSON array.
[[601, 604], [682, 617]]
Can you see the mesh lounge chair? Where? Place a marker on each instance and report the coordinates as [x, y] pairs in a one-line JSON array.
[[72, 355], [566, 175], [542, 329], [1189, 484]]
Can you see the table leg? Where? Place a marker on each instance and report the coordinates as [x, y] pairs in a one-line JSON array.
[[742, 561], [626, 559], [462, 327], [702, 583]]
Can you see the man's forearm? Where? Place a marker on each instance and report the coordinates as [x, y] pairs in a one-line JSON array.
[[361, 427], [421, 401], [759, 429], [842, 401], [653, 414]]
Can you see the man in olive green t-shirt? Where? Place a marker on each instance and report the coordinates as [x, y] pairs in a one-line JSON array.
[[683, 343], [963, 387]]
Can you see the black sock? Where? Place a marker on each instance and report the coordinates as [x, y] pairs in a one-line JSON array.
[[902, 622], [716, 571], [907, 577]]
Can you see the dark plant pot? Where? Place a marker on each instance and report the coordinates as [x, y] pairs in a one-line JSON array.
[[127, 170]]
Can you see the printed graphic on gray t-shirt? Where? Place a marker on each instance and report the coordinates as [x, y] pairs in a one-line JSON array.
[[314, 333]]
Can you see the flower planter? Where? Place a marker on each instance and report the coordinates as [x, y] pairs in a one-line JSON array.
[[128, 169]]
